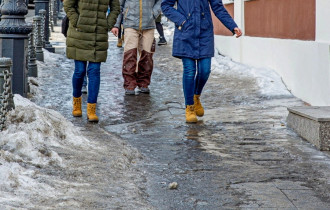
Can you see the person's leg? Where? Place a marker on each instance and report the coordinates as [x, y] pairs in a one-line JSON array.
[[188, 80], [120, 41], [77, 80], [160, 29], [93, 72], [78, 77], [145, 65], [123, 34], [130, 60], [119, 31], [162, 40], [203, 73]]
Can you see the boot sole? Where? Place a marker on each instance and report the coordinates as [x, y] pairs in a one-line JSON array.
[[132, 94], [75, 115], [145, 92], [92, 120], [191, 122]]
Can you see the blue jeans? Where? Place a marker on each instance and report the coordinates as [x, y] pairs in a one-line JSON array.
[[93, 72], [193, 83]]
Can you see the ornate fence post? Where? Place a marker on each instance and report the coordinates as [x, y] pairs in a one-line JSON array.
[[38, 38], [6, 96], [42, 14], [14, 40], [32, 65], [44, 5], [51, 17], [55, 6]]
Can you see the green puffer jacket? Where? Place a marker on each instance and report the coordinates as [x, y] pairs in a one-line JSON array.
[[87, 38]]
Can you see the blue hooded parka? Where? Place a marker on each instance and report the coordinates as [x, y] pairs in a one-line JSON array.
[[195, 39]]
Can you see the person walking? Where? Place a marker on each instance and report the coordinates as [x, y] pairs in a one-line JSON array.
[[193, 43], [87, 44], [160, 30], [139, 25], [120, 35]]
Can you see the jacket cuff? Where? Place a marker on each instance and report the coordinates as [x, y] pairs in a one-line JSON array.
[[232, 29], [180, 21]]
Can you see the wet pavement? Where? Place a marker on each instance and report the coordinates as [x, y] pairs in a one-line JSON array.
[[240, 155]]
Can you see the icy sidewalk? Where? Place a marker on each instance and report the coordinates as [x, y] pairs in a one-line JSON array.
[[238, 156], [47, 162]]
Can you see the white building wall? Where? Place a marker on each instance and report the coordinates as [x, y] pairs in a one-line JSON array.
[[303, 65], [323, 21]]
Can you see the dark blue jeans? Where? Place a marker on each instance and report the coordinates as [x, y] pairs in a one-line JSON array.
[[93, 72], [193, 83]]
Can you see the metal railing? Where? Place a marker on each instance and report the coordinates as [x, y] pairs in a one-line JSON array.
[[37, 37]]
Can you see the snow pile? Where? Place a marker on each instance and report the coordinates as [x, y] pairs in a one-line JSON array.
[[27, 143], [270, 83], [32, 130], [55, 62]]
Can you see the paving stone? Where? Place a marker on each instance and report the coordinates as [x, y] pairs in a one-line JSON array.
[[306, 199], [278, 200], [289, 185], [263, 195]]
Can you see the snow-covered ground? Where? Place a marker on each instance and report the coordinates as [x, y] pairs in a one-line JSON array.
[[34, 175], [269, 82], [31, 144], [46, 162], [27, 145]]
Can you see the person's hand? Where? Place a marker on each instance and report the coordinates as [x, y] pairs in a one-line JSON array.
[[238, 32], [115, 31]]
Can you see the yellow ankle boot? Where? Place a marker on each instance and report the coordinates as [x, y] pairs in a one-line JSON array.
[[190, 114], [76, 112], [198, 106], [91, 113]]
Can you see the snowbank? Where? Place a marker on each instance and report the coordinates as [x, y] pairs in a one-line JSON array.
[[27, 143], [270, 83]]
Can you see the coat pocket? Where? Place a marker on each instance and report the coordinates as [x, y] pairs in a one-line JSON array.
[[206, 21], [187, 25], [78, 26]]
